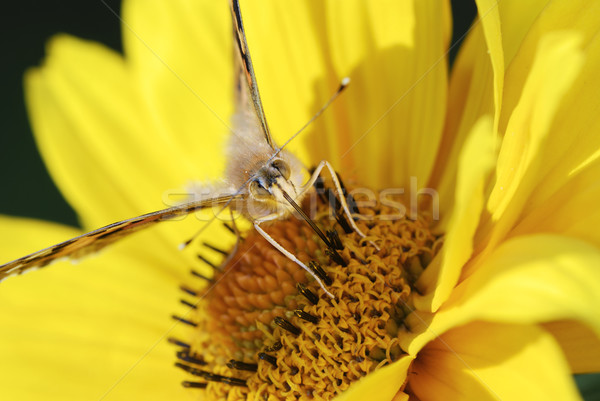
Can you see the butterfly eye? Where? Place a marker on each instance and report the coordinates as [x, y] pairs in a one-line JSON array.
[[282, 167], [257, 190]]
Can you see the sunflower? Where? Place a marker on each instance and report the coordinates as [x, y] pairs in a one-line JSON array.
[[486, 288]]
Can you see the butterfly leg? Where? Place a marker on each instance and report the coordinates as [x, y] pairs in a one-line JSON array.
[[338, 188], [287, 253]]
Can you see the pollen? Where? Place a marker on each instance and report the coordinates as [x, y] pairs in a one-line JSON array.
[[262, 328]]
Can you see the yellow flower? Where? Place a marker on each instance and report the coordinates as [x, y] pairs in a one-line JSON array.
[[509, 142]]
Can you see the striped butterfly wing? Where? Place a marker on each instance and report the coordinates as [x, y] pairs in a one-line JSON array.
[[247, 95], [93, 241]]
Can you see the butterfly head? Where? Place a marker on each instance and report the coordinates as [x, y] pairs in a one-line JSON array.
[[272, 180]]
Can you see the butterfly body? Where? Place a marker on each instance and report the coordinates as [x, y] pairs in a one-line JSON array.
[[262, 170]]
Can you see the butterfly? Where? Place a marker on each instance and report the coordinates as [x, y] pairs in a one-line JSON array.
[[264, 180]]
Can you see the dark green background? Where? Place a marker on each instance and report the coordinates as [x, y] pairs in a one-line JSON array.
[[26, 25]]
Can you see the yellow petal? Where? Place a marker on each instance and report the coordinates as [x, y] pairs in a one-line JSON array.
[[395, 54], [573, 207], [181, 59], [580, 345], [533, 279], [568, 169], [558, 61], [477, 160], [92, 133], [516, 21], [99, 144], [485, 361], [489, 16], [569, 143], [471, 90], [79, 332], [471, 96], [505, 25], [539, 17], [381, 385]]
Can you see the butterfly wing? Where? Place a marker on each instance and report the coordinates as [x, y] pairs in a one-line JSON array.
[[95, 240], [247, 93]]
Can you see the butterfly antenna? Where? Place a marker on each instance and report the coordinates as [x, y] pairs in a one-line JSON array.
[[343, 84]]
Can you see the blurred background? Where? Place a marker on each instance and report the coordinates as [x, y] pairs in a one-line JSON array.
[[27, 190]]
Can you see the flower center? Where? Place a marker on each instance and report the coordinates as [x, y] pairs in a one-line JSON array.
[[263, 328]]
